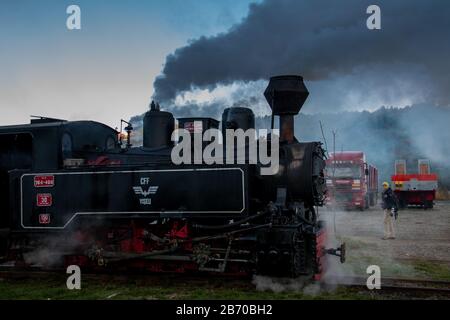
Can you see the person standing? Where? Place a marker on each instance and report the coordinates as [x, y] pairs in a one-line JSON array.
[[390, 207]]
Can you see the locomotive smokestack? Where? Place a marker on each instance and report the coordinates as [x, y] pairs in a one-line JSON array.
[[286, 96]]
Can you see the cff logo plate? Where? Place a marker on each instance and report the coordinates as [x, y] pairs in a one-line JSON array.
[[44, 200], [44, 218], [44, 181]]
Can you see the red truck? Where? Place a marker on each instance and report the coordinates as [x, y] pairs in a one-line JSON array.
[[351, 182], [415, 189]]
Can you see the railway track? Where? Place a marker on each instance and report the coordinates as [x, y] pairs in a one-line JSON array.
[[404, 286], [393, 287], [157, 279]]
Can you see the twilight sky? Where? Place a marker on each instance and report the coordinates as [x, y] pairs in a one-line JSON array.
[[200, 56], [105, 71]]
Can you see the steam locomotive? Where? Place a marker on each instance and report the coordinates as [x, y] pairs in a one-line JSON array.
[[73, 193]]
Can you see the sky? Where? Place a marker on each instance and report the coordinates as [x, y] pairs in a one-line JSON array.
[[197, 57], [105, 71]]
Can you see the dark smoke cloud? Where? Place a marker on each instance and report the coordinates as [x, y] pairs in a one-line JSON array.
[[321, 40]]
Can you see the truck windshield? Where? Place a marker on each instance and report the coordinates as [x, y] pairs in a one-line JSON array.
[[345, 172]]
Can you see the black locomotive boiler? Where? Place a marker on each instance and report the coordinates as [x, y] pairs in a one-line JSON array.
[[71, 193]]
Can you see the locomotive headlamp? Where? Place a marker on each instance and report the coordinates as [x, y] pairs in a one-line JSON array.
[[128, 129]]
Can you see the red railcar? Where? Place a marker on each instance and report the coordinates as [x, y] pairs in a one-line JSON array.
[[418, 189], [351, 181]]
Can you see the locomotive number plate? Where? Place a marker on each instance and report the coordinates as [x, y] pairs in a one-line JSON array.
[[44, 181]]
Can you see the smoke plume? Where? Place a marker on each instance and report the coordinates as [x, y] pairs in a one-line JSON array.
[[323, 40]]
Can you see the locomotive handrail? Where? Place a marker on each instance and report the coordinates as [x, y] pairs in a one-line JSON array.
[[230, 225]]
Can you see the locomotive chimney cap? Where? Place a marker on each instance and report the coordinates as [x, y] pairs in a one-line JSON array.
[[286, 94]]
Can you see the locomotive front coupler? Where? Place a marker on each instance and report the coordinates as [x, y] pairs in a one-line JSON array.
[[338, 252]]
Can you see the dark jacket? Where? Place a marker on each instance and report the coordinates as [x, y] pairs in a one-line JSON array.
[[389, 199]]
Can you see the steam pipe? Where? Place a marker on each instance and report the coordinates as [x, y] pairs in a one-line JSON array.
[[234, 224], [287, 128]]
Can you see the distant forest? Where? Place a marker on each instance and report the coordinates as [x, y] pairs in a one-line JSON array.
[[387, 134]]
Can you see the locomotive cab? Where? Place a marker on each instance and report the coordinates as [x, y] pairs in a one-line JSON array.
[[47, 144], [16, 152]]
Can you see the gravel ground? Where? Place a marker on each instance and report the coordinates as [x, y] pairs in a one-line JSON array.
[[421, 249]]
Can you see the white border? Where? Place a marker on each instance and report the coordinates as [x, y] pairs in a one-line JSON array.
[[131, 212]]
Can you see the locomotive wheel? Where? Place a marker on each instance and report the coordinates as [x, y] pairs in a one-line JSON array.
[[3, 249], [298, 256], [428, 204], [402, 204], [287, 260]]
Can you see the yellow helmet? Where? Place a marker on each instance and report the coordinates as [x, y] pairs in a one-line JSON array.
[[386, 184]]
